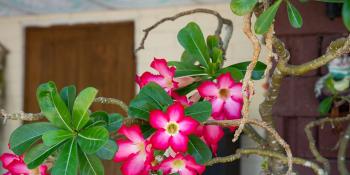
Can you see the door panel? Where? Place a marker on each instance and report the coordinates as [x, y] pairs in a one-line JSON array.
[[97, 55]]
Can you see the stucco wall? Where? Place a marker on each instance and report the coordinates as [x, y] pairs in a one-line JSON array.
[[162, 42]]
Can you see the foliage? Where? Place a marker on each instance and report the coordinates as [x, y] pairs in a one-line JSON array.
[[71, 133]]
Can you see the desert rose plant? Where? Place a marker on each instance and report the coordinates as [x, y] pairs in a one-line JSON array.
[[179, 115]]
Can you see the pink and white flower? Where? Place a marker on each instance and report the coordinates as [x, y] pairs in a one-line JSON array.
[[184, 165], [211, 134], [15, 165], [225, 96], [183, 100], [165, 78], [135, 152], [173, 127]]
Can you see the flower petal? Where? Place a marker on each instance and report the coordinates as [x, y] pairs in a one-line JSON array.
[[176, 112], [158, 119], [125, 150], [212, 133], [18, 167], [179, 142], [148, 77], [188, 125], [225, 81], [160, 140], [43, 170], [7, 158], [192, 165], [135, 165], [133, 133], [217, 105], [184, 81], [166, 165], [208, 89], [162, 67], [186, 171], [232, 109], [236, 92]]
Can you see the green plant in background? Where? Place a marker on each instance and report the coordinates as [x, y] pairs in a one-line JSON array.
[[77, 137]]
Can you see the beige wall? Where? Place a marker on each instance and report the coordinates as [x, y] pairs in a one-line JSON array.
[[162, 42]]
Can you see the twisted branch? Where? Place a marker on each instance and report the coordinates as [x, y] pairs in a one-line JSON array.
[[342, 152], [221, 22], [262, 124], [248, 86], [336, 49], [39, 116], [266, 153]]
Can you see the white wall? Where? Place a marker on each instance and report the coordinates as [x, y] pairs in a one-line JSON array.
[[162, 42]]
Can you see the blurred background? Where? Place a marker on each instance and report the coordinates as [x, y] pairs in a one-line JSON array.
[[92, 42]]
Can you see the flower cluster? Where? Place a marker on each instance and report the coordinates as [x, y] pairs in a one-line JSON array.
[[15, 165], [165, 150]]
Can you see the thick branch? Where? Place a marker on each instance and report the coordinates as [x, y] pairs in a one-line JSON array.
[[221, 22], [266, 153], [336, 49], [262, 124], [38, 116], [344, 141], [248, 86]]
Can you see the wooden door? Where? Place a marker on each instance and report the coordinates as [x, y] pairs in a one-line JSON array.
[[97, 55]]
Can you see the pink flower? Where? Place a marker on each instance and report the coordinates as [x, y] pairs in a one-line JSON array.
[[135, 152], [181, 99], [15, 165], [184, 165], [165, 78], [225, 96], [211, 134], [173, 127]]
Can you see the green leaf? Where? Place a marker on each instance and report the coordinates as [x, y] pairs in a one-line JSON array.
[[150, 97], [115, 121], [187, 89], [325, 105], [67, 161], [200, 111], [258, 71], [294, 16], [52, 106], [213, 41], [81, 106], [191, 38], [56, 136], [346, 14], [108, 150], [185, 69], [187, 58], [99, 116], [68, 95], [236, 73], [199, 150], [90, 164], [330, 85], [26, 135], [265, 20], [147, 130], [38, 154], [242, 7], [92, 139], [217, 56]]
